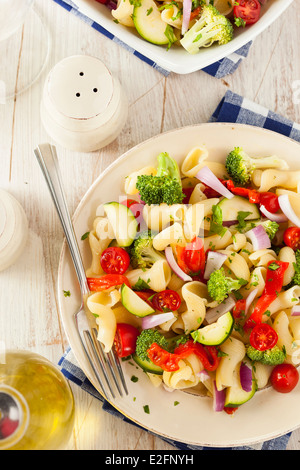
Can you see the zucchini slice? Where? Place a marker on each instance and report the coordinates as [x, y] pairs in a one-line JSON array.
[[123, 222], [134, 304], [148, 23], [235, 395], [147, 366], [231, 208], [215, 333]]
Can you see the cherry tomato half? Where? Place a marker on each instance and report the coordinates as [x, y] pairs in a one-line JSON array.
[[263, 337], [125, 339], [194, 255], [166, 300], [97, 284], [187, 194], [145, 295], [239, 309], [247, 10], [291, 237], [114, 260], [136, 208], [195, 13], [270, 201], [284, 378]]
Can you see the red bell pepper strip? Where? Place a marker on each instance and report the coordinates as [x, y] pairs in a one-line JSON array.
[[191, 258], [251, 194], [267, 199], [194, 255], [97, 284], [274, 277], [274, 283], [260, 308], [208, 355]]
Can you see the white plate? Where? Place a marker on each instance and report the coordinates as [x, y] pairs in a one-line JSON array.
[[177, 59], [268, 414]]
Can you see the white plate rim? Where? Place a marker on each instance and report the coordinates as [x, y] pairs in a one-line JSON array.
[[250, 440], [168, 60]]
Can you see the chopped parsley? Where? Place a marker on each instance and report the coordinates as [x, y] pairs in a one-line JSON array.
[[241, 219], [273, 266], [85, 235], [216, 224], [67, 293], [169, 33], [141, 284], [239, 22]]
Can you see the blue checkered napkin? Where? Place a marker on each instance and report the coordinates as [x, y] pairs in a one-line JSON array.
[[72, 372], [235, 108], [219, 69]]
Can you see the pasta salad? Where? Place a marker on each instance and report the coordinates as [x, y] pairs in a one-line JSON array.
[[191, 24], [195, 274]]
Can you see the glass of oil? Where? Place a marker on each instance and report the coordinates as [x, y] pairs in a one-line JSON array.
[[36, 403]]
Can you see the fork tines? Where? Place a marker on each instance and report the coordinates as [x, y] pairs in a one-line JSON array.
[[106, 366]]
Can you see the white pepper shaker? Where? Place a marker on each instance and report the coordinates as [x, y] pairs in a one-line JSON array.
[[13, 230], [83, 107]]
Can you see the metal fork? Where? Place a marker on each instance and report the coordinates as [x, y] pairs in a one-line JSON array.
[[106, 366]]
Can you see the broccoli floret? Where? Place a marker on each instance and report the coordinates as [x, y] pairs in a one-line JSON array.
[[254, 354], [146, 339], [167, 166], [270, 227], [296, 277], [220, 286], [142, 253], [165, 186], [240, 166], [211, 27], [270, 357]]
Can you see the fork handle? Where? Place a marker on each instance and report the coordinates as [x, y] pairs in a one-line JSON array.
[[47, 158]]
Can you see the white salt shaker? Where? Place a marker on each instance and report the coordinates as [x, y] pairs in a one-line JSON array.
[[83, 107], [13, 230]]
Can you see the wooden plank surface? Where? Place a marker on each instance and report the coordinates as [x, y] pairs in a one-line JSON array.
[[29, 311]]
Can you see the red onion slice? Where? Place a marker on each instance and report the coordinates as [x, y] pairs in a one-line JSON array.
[[246, 377], [229, 223], [259, 238], [168, 389], [203, 375], [214, 313], [214, 261], [153, 320], [174, 266], [250, 299], [187, 9], [218, 398], [274, 217], [207, 177], [287, 209], [295, 311]]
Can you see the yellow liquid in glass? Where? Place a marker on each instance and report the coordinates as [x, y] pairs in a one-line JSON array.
[[36, 404]]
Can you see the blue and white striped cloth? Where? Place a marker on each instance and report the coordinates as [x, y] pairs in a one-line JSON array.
[[236, 108], [72, 371], [219, 69], [232, 108]]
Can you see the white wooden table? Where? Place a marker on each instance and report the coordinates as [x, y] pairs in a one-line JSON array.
[[29, 311]]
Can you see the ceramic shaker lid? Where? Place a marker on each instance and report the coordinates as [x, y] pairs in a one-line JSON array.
[[83, 107]]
